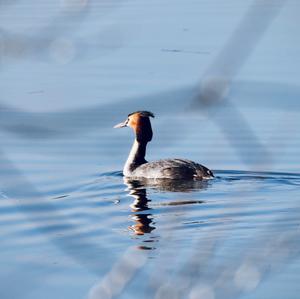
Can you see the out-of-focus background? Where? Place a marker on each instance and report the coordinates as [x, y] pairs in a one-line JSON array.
[[222, 78]]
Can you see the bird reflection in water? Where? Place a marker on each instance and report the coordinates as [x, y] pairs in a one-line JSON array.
[[142, 219], [137, 188]]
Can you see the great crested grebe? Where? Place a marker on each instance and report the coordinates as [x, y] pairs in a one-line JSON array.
[[137, 167]]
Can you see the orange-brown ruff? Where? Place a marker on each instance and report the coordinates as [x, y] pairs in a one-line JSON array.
[[137, 167]]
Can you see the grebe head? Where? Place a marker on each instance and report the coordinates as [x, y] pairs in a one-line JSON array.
[[140, 123]]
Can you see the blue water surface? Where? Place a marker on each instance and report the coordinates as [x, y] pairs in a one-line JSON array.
[[71, 226]]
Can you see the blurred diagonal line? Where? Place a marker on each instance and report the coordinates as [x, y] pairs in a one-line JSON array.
[[219, 75], [196, 265], [16, 45], [214, 87], [15, 186], [56, 124], [195, 269], [60, 123], [282, 143], [201, 275], [240, 134], [71, 17], [249, 269], [217, 79], [121, 273], [159, 282]]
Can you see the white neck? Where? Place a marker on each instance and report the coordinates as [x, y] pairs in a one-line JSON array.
[[136, 157]]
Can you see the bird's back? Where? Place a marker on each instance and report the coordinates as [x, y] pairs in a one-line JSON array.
[[172, 169]]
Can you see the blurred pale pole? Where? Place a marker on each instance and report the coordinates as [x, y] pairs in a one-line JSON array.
[[216, 82]]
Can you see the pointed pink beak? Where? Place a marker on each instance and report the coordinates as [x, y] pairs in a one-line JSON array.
[[121, 125]]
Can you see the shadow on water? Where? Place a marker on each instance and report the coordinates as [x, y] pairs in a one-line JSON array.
[[138, 190], [144, 208], [154, 211], [171, 226]]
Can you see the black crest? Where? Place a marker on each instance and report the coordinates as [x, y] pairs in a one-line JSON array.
[[143, 113]]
